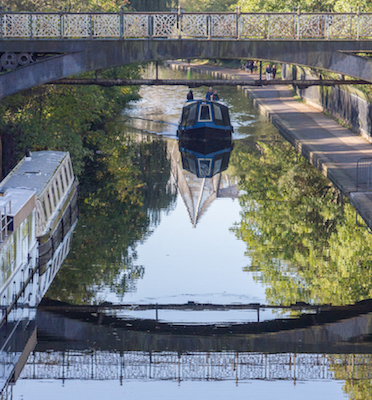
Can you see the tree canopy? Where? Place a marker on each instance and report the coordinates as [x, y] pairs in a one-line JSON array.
[[304, 246]]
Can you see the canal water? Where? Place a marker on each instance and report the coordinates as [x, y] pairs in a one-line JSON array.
[[266, 234]]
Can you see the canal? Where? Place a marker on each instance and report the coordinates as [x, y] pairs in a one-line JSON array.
[[267, 241]]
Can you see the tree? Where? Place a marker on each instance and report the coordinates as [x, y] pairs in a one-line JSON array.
[[306, 6], [122, 192], [207, 5], [303, 246]]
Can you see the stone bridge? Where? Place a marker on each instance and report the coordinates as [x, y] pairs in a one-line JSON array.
[[37, 48]]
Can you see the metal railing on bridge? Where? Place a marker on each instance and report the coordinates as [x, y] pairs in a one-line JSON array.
[[182, 25]]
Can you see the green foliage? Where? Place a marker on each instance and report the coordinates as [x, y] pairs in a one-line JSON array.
[[303, 245], [71, 5], [116, 212], [207, 5], [63, 117], [306, 6]]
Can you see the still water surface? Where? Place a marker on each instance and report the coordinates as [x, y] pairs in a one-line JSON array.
[[249, 244]]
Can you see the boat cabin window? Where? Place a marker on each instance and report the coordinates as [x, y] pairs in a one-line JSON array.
[[205, 166], [70, 169], [221, 115], [66, 175], [53, 196], [189, 162], [44, 208], [189, 115], [50, 204], [205, 112], [58, 191], [61, 178], [191, 120], [221, 162]]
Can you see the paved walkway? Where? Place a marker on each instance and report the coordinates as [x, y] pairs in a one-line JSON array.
[[331, 148]]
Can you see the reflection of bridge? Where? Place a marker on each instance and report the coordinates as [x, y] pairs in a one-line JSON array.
[[212, 366], [80, 42], [94, 346]]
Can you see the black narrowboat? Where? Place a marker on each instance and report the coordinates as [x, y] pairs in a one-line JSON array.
[[204, 119]]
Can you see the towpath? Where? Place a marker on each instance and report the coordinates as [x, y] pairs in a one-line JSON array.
[[330, 147]]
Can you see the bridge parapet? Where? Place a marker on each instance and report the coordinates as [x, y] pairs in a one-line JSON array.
[[180, 25]]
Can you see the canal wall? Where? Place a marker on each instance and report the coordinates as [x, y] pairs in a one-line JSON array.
[[348, 104]]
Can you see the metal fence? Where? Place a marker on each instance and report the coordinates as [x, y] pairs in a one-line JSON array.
[[181, 25], [364, 174]]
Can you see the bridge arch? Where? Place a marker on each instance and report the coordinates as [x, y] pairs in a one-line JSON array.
[[75, 56]]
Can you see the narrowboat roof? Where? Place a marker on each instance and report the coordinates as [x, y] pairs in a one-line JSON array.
[[34, 172]]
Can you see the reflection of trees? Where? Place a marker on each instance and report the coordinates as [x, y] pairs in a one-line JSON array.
[[302, 246], [122, 193], [355, 369]]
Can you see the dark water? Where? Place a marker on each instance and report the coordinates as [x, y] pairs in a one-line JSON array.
[[270, 230]]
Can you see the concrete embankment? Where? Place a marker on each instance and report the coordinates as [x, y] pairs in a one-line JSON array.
[[331, 148]]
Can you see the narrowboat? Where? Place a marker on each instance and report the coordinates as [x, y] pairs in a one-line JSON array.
[[205, 119]]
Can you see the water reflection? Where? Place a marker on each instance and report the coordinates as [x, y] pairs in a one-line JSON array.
[[205, 158], [273, 232]]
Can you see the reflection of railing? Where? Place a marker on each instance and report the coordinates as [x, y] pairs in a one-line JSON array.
[[364, 174], [180, 25], [211, 366]]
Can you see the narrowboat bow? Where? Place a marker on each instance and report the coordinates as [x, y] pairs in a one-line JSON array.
[[204, 119]]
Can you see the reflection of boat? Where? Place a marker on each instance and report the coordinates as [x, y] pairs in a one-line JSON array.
[[203, 119], [205, 157]]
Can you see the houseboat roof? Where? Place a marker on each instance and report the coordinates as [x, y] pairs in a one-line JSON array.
[[34, 172]]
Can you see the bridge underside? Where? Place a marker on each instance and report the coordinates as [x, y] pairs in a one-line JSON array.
[[73, 57]]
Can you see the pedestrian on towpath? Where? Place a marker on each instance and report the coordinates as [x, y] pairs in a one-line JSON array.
[[273, 71], [268, 72]]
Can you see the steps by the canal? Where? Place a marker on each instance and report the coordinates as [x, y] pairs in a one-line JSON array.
[[331, 148]]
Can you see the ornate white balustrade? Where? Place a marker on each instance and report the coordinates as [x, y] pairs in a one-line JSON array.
[[179, 25]]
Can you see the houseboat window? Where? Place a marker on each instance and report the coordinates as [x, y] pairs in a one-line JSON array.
[[54, 196], [50, 204], [217, 166], [225, 116], [218, 120], [30, 222], [221, 115], [14, 250], [185, 116], [66, 174], [58, 191], [205, 112], [25, 229], [44, 208], [189, 115], [61, 178], [70, 169], [205, 166], [189, 162], [191, 120]]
